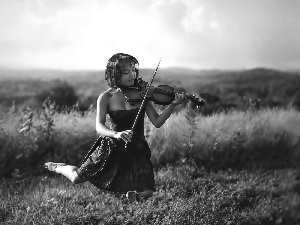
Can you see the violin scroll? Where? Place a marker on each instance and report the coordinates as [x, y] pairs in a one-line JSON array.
[[199, 102]]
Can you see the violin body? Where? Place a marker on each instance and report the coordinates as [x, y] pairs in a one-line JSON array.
[[162, 94]]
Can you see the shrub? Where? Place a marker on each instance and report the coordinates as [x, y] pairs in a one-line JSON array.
[[61, 93]]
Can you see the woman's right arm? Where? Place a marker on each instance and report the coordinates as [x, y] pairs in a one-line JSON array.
[[102, 105]]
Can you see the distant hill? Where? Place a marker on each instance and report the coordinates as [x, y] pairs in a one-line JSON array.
[[271, 87]]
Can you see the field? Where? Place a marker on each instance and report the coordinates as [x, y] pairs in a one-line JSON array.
[[185, 195], [237, 165]]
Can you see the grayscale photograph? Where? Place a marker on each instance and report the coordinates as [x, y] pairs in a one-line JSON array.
[[163, 112]]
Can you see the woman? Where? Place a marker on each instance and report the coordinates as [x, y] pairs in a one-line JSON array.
[[119, 161]]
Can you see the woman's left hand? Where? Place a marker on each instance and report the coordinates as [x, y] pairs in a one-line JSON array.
[[179, 98]]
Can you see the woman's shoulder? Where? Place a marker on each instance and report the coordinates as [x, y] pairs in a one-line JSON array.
[[107, 94]]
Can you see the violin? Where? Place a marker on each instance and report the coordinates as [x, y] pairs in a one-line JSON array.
[[162, 94]]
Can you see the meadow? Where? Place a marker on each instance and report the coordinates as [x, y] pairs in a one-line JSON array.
[[237, 167], [185, 195], [230, 162]]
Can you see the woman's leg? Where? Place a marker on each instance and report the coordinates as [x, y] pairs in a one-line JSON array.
[[146, 194], [68, 171], [143, 195]]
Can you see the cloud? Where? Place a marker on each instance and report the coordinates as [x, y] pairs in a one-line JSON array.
[[195, 20], [168, 14], [191, 33]]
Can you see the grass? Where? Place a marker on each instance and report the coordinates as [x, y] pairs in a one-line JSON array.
[[236, 167], [260, 139], [252, 139], [185, 195]]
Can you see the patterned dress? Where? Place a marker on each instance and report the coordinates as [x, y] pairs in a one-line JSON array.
[[112, 167]]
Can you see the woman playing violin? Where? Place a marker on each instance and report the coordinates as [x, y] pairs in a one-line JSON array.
[[119, 161]]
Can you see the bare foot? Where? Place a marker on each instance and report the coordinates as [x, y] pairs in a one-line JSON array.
[[52, 166]]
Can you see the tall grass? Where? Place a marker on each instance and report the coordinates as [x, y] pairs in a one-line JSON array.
[[267, 138], [30, 138]]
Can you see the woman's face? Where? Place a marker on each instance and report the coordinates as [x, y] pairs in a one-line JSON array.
[[128, 75]]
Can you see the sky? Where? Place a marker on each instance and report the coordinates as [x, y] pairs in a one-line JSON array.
[[196, 34]]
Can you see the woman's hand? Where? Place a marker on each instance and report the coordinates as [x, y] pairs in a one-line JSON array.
[[125, 135], [179, 98]]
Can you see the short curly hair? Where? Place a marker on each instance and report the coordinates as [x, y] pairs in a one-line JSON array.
[[115, 66]]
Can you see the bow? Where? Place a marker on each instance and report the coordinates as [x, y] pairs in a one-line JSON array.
[[143, 102]]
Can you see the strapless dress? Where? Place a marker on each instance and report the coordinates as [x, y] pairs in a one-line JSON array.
[[112, 167]]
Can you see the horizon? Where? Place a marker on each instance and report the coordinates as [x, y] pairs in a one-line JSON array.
[[188, 71], [26, 68], [147, 68]]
